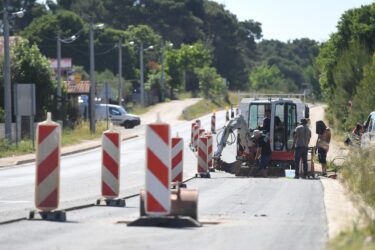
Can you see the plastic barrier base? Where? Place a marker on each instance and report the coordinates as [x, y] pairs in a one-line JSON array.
[[165, 221], [178, 185], [111, 202], [211, 169], [57, 215], [203, 175]]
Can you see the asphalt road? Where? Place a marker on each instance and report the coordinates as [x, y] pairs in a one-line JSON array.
[[236, 213]]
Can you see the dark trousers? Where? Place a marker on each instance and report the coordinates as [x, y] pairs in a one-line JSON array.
[[300, 152]]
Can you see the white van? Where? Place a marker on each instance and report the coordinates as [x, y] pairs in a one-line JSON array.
[[117, 115], [368, 136]]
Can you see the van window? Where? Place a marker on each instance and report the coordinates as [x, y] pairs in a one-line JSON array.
[[114, 111]]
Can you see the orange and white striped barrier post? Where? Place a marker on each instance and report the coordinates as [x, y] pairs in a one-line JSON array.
[[110, 181], [177, 161], [202, 167], [210, 152], [213, 123], [47, 188], [195, 137], [158, 165]]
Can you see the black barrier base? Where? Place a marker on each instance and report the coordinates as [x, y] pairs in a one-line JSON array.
[[111, 202], [57, 215], [165, 221], [211, 169], [180, 185], [203, 175]]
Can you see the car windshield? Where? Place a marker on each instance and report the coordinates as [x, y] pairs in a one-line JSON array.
[[123, 111]]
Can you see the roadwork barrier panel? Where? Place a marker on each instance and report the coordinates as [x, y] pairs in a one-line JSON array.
[[158, 165], [177, 159], [202, 168], [213, 123], [110, 181], [210, 152], [47, 187], [159, 205], [195, 137]]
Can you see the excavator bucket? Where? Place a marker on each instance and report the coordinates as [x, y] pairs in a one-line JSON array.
[[184, 202]]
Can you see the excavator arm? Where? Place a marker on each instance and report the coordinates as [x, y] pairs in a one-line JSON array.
[[244, 140]]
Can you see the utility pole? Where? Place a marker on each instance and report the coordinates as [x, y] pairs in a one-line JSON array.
[[92, 80], [120, 72], [142, 74], [58, 71], [162, 80], [7, 83]]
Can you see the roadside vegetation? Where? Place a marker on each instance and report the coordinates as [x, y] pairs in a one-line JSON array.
[[358, 174], [69, 136]]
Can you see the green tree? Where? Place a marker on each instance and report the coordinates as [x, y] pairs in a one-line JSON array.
[[364, 101], [211, 84], [265, 77], [30, 66]]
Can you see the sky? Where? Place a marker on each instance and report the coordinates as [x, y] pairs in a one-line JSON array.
[[292, 19]]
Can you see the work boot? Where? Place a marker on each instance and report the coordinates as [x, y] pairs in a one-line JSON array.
[[264, 173]]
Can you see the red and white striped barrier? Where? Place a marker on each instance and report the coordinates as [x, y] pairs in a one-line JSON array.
[[111, 164], [177, 159], [47, 186], [201, 132], [209, 149], [192, 134], [202, 155], [198, 122], [195, 137], [158, 165], [213, 123]]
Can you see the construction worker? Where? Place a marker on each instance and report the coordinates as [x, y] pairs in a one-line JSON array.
[[302, 135], [322, 144], [263, 153]]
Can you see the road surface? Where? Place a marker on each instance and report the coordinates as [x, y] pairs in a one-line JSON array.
[[236, 213]]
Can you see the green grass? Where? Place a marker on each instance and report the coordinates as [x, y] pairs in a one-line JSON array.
[[69, 137], [358, 173], [137, 109], [354, 240]]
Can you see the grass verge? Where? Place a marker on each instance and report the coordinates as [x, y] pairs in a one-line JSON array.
[[355, 240], [69, 137], [207, 106], [358, 173]]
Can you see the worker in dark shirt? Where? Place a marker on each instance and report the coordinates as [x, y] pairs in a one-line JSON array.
[[263, 153], [267, 121]]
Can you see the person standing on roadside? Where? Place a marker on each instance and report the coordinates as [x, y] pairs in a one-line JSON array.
[[302, 135], [263, 153], [322, 144]]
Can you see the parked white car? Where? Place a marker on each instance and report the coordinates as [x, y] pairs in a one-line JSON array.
[[117, 115], [368, 136]]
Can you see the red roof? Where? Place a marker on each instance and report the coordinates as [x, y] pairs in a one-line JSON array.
[[83, 87]]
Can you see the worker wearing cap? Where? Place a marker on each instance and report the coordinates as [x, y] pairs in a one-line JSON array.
[[263, 151], [302, 135]]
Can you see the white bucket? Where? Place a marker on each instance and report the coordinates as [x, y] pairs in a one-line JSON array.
[[290, 173]]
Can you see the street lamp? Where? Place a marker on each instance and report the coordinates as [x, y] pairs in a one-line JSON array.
[[120, 70], [92, 75], [141, 66], [162, 80], [7, 82], [59, 41]]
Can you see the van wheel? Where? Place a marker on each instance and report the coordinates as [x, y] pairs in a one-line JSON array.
[[128, 124]]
